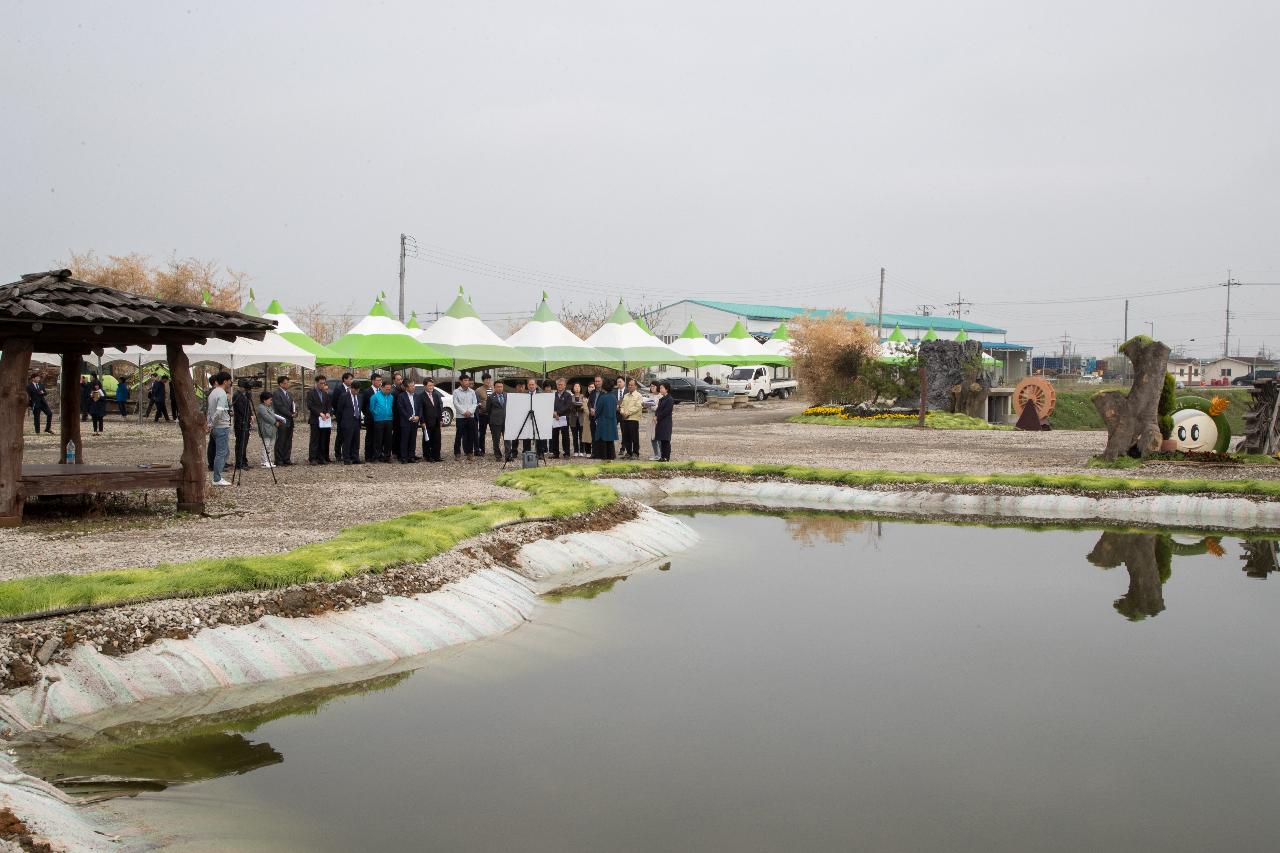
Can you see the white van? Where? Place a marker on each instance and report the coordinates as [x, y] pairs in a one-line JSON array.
[[759, 381]]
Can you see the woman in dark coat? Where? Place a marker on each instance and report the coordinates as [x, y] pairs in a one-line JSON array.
[[606, 432], [662, 421], [97, 405]]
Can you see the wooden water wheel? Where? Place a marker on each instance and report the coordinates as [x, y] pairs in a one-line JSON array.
[[1034, 389]]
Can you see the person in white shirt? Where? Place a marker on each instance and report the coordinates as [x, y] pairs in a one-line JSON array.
[[464, 406]]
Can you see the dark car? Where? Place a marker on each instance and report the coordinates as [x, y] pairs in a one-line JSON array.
[[1250, 378], [693, 390]]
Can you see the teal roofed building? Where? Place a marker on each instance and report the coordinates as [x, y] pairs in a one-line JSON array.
[[715, 319]]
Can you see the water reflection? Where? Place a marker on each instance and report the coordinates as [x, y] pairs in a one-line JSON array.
[[1261, 557], [586, 591], [1147, 556], [151, 756]]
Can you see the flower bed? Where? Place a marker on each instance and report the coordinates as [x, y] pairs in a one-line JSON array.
[[839, 416]]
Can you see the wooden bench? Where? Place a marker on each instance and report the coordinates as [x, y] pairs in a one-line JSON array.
[[92, 479]]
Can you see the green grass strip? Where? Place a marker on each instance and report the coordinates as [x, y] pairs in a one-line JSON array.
[[1069, 482], [371, 547], [558, 492]]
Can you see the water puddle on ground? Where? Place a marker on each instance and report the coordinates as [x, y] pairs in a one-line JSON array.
[[801, 681]]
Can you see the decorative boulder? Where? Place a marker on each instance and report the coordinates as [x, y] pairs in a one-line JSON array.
[[948, 364]]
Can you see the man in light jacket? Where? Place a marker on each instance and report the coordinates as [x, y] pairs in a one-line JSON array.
[[218, 422]]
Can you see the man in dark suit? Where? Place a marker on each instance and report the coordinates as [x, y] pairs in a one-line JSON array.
[[241, 415], [431, 405], [560, 408], [346, 411], [498, 419], [36, 398], [282, 404], [397, 391], [158, 395], [319, 403], [366, 417], [597, 388], [408, 416], [86, 391]]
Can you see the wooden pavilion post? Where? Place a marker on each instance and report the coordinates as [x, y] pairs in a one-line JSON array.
[[69, 413], [15, 364], [191, 492]]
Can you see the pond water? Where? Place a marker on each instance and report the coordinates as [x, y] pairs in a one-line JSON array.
[[808, 682]]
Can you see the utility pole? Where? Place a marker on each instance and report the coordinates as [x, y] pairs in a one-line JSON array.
[[1126, 322], [1226, 337], [403, 239], [1066, 341], [959, 307], [926, 310], [880, 311]]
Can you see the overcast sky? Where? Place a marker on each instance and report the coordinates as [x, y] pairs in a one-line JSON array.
[[765, 152]]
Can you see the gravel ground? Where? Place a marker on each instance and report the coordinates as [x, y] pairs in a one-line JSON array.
[[311, 503]]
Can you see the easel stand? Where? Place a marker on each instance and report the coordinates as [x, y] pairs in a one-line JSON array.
[[532, 422]]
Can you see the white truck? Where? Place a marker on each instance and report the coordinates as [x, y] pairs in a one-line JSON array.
[[759, 381]]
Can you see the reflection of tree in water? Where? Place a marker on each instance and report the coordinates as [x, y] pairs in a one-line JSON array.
[[1148, 557], [587, 590], [811, 529], [151, 756], [1261, 557]]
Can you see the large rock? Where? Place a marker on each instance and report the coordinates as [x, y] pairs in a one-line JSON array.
[[948, 364]]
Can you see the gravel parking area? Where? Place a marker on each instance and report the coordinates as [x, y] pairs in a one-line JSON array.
[[310, 503]]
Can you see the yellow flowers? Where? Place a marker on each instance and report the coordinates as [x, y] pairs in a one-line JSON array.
[[1218, 405], [839, 412]]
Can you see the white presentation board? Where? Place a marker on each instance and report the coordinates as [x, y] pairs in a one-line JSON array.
[[518, 407]]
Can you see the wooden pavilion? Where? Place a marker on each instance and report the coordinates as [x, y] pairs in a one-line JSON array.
[[52, 312]]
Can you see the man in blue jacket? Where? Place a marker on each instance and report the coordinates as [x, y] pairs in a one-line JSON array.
[[382, 413]]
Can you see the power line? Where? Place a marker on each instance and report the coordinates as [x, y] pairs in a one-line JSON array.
[[539, 278], [959, 307]]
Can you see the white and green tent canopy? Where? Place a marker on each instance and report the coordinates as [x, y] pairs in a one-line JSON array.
[[622, 339], [896, 349], [930, 335], [380, 339], [464, 338], [243, 352], [287, 329], [780, 343], [693, 344], [744, 349], [546, 340]]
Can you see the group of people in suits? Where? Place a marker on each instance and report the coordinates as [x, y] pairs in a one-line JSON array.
[[401, 420], [392, 413]]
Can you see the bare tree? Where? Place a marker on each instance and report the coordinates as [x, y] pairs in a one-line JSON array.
[[187, 280]]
